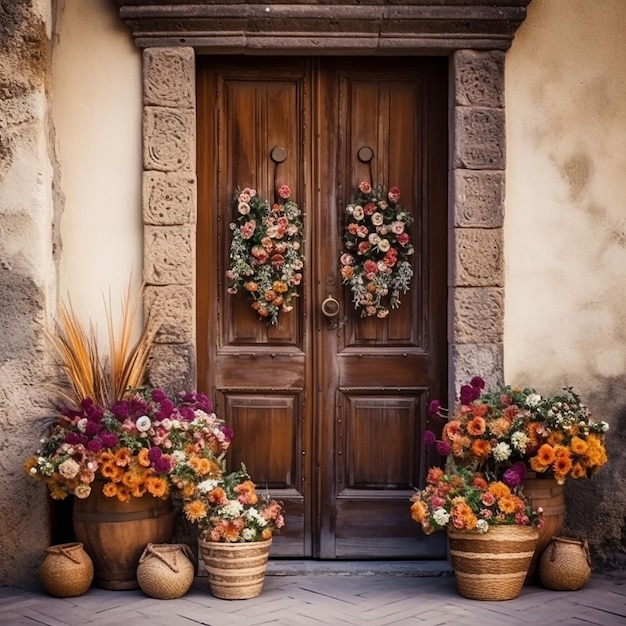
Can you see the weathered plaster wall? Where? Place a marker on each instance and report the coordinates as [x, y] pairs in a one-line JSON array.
[[27, 275], [565, 232], [97, 112]]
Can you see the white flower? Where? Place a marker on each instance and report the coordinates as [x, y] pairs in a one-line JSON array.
[[69, 468], [232, 510], [441, 516], [207, 485], [604, 426], [248, 534], [143, 424], [502, 451], [373, 238], [377, 219], [384, 245], [82, 424], [533, 399], [482, 526], [358, 214], [519, 441]]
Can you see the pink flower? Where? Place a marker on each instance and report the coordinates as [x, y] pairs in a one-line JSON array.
[[403, 239], [365, 187], [247, 229], [347, 259], [284, 191], [394, 194]]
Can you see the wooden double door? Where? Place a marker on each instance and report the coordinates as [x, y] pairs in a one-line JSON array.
[[328, 413]]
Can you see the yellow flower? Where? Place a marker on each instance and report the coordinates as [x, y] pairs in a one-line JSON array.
[[195, 510], [157, 486]]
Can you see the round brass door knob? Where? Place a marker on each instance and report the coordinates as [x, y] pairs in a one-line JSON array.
[[330, 307]]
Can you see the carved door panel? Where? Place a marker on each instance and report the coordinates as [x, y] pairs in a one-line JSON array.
[[328, 413]]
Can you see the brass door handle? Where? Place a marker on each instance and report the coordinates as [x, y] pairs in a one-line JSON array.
[[330, 307]]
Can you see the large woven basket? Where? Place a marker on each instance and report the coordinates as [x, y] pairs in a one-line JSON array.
[[565, 564], [66, 571], [236, 571], [166, 570], [492, 565]]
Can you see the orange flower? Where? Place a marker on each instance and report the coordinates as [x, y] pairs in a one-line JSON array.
[[500, 427], [434, 475], [480, 448], [122, 457], [499, 489], [123, 493], [479, 482], [545, 454], [216, 496], [157, 486], [562, 464], [195, 510], [419, 511], [578, 471], [508, 504], [138, 490], [555, 438], [230, 529], [477, 426], [109, 490], [480, 410], [142, 457], [451, 430], [111, 471], [266, 533], [536, 465], [579, 446], [246, 493]]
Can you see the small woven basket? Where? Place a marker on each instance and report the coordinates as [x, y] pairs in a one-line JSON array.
[[166, 570], [66, 571], [565, 564]]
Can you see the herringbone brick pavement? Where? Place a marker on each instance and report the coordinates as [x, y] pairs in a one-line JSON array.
[[316, 599]]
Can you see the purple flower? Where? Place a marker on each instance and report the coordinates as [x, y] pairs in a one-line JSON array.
[[429, 437], [167, 408], [95, 445], [204, 403], [443, 448], [158, 395], [515, 475], [477, 381], [92, 411], [434, 406], [109, 440], [120, 410], [154, 454], [92, 428], [468, 394], [138, 406], [228, 433], [187, 413], [163, 465], [72, 438]]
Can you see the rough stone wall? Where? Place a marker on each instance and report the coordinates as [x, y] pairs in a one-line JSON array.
[[476, 271], [169, 211], [26, 275]]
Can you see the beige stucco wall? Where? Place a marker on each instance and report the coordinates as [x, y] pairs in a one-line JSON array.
[[96, 108], [565, 230]]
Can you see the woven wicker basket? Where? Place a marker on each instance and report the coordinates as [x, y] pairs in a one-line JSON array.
[[236, 571], [166, 570], [492, 565], [565, 564], [66, 571]]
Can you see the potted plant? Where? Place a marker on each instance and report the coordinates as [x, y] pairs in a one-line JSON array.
[[235, 524], [525, 439], [492, 529], [122, 451]]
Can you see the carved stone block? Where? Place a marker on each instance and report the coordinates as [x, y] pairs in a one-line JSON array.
[[478, 198], [479, 78], [480, 138], [169, 198], [172, 367], [474, 359], [169, 139], [171, 309], [478, 314], [480, 258], [169, 77], [169, 255]]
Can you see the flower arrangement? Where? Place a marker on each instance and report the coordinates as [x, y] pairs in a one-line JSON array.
[[266, 252], [145, 443], [228, 509], [516, 429], [375, 263], [464, 500]]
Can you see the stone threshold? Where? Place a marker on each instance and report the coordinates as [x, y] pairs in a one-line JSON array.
[[288, 567]]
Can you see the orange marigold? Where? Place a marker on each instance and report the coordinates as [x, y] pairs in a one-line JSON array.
[[537, 466], [499, 489], [578, 471], [545, 454], [578, 446], [157, 486], [123, 457], [419, 511], [480, 448], [195, 510], [508, 504], [480, 410], [143, 458], [562, 465], [477, 426]]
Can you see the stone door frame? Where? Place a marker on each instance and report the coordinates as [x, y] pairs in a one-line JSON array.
[[474, 34]]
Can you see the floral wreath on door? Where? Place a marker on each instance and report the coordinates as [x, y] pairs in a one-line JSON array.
[[375, 262], [266, 251]]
